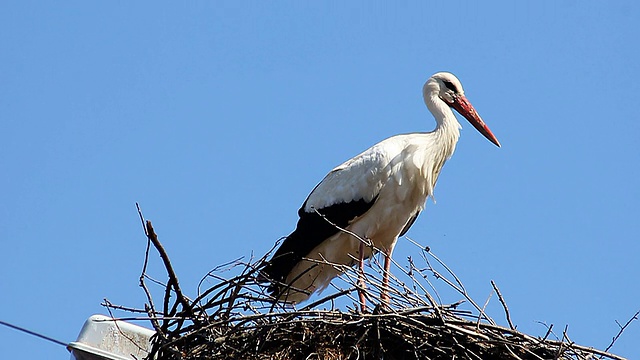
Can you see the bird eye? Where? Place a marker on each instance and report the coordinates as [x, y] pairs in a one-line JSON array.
[[450, 85]]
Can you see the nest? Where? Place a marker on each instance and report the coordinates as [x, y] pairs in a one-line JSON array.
[[237, 319]]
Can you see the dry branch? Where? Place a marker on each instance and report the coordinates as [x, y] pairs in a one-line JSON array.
[[236, 318]]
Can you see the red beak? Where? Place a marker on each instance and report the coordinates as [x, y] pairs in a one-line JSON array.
[[464, 107]]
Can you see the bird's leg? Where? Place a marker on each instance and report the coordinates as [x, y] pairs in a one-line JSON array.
[[384, 294], [361, 284]]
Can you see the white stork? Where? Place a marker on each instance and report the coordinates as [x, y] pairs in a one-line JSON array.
[[377, 195]]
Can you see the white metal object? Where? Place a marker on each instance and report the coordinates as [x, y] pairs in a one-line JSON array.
[[103, 338]]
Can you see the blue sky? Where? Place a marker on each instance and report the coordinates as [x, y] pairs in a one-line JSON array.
[[219, 118]]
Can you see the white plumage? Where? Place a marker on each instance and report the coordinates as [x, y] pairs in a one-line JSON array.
[[376, 194]]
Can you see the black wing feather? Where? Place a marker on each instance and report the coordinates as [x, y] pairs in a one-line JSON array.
[[312, 229], [409, 224]]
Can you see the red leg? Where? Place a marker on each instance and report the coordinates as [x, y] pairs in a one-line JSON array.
[[384, 295], [361, 283]]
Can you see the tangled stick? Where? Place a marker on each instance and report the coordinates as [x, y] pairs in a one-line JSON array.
[[236, 318]]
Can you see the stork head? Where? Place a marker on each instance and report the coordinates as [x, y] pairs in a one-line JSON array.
[[447, 88]]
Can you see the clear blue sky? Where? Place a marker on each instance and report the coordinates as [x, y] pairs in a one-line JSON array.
[[219, 118]]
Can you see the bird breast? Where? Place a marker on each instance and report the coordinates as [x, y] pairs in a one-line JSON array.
[[411, 180], [400, 173]]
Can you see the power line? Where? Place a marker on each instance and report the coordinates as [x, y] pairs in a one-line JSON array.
[[16, 327]]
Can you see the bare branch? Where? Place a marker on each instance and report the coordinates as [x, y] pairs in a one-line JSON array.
[[622, 328], [504, 304], [236, 317]]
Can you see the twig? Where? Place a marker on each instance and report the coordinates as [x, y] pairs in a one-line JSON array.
[[173, 279], [622, 328], [149, 308], [108, 304], [504, 304], [237, 318], [366, 242], [460, 289], [546, 335], [483, 308]]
